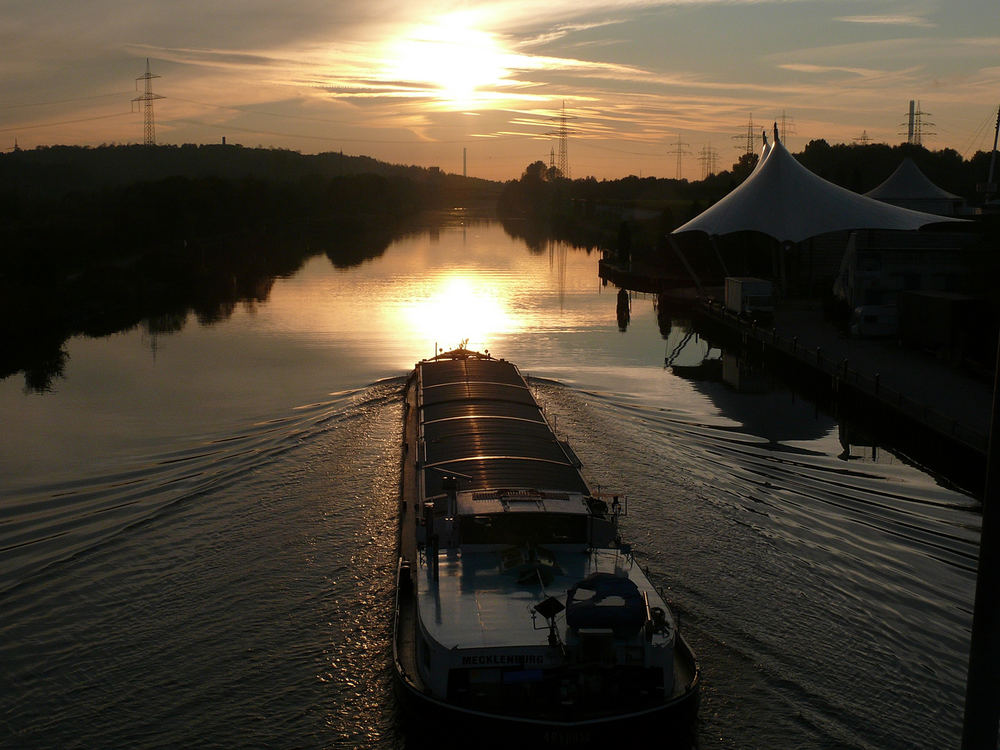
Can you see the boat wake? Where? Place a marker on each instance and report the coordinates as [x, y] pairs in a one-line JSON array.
[[239, 585], [824, 576], [52, 523]]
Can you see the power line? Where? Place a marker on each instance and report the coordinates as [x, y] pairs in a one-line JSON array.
[[980, 135], [63, 122], [591, 144], [63, 101], [252, 111], [336, 139]]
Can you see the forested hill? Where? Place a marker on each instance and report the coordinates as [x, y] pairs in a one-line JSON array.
[[96, 240], [54, 171]]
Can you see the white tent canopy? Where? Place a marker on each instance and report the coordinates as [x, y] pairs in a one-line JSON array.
[[910, 188], [783, 199]]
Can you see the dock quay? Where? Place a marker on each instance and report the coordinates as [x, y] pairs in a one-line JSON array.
[[939, 415], [640, 279]]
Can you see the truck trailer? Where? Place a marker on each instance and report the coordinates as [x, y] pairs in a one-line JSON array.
[[750, 298]]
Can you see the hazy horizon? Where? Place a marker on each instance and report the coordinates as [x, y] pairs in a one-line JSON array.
[[639, 80]]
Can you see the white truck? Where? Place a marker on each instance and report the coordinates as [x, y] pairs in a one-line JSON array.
[[750, 298]]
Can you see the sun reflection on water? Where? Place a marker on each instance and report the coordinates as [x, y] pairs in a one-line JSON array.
[[460, 308]]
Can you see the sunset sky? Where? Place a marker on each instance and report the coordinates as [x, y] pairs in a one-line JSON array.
[[415, 83]]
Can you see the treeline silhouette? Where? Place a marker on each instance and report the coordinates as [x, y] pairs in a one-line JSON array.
[[94, 241], [53, 171], [570, 209]]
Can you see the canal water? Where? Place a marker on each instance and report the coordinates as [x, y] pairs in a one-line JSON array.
[[197, 529]]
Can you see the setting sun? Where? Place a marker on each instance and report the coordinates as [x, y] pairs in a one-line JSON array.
[[458, 62]]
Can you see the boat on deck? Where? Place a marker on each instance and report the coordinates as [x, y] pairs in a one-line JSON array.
[[520, 613]]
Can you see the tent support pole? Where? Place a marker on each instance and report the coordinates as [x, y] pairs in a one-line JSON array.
[[718, 254], [680, 254]]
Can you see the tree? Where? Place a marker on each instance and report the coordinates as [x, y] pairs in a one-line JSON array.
[[745, 165]]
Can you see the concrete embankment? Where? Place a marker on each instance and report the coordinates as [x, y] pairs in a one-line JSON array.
[[937, 414]]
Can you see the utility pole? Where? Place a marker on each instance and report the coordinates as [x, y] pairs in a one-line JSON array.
[[864, 139], [916, 126], [988, 189], [920, 125], [748, 138], [680, 150], [147, 99], [787, 127], [708, 157], [562, 133], [563, 144]]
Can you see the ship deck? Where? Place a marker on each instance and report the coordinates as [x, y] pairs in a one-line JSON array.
[[473, 604], [478, 420]]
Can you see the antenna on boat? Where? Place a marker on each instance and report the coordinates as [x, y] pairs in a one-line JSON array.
[[548, 609]]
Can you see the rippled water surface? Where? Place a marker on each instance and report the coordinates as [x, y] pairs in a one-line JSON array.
[[197, 530]]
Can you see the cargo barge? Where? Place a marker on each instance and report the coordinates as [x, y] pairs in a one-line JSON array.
[[520, 613]]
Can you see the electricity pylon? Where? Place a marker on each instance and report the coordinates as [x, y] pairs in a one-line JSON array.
[[680, 150], [147, 98]]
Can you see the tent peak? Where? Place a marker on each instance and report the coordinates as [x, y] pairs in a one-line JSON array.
[[783, 199]]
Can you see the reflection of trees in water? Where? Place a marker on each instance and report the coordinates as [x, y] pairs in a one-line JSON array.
[[172, 321], [538, 234], [359, 243], [159, 291], [45, 365]]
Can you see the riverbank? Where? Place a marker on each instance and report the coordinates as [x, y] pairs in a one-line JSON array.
[[958, 395], [937, 413]]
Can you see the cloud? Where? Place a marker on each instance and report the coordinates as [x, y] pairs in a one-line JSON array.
[[561, 31], [219, 58], [858, 76], [889, 20]]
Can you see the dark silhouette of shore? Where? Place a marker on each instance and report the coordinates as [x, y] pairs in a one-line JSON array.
[[94, 241]]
